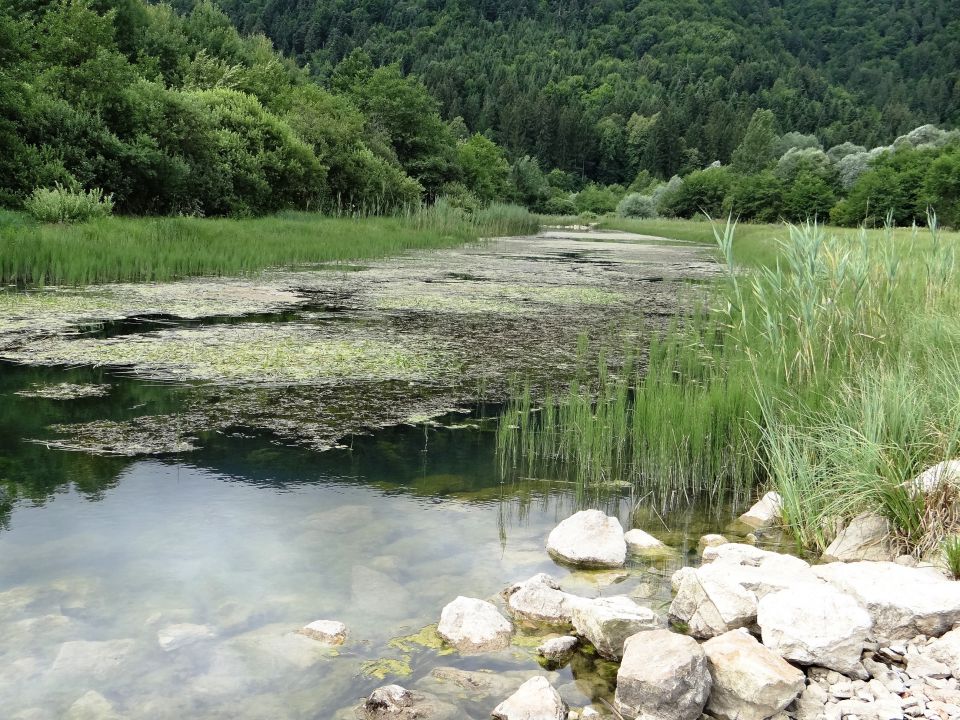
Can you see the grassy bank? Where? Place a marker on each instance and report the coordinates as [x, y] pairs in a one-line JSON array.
[[832, 374], [153, 249]]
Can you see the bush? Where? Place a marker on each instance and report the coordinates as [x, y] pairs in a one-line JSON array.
[[636, 205], [559, 206], [702, 191], [756, 197], [63, 205], [596, 199]]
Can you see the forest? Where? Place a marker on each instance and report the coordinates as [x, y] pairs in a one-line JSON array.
[[642, 108]]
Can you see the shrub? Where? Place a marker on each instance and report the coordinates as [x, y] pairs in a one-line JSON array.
[[636, 205], [951, 553], [596, 199], [702, 191], [559, 206], [756, 197], [64, 205]]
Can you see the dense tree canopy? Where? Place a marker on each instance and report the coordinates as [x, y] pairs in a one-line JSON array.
[[608, 88]]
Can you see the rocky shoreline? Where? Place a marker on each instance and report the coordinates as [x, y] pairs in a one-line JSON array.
[[750, 634]]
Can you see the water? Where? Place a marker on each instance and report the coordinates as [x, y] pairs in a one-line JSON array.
[[254, 538], [253, 535]]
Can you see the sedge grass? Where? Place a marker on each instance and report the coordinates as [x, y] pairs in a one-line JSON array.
[[828, 367], [119, 249]]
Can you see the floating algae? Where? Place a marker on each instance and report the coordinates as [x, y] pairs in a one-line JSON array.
[[64, 391], [384, 667], [291, 353]]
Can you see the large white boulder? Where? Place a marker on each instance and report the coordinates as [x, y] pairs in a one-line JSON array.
[[535, 700], [930, 479], [710, 603], [589, 538], [663, 676], [607, 622], [765, 512], [902, 601], [472, 625], [867, 537], [820, 626], [750, 682], [722, 594], [540, 599]]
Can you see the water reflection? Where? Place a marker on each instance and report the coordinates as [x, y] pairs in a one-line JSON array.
[[246, 540]]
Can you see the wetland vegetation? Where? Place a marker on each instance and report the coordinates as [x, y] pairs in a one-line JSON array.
[[284, 336]]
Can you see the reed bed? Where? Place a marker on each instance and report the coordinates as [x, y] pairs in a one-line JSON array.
[[831, 373], [120, 249]]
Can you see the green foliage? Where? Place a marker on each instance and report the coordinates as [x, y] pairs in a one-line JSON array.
[[941, 187], [63, 205], [485, 169], [808, 197], [951, 554], [701, 191], [756, 197], [756, 151], [597, 199], [604, 90], [636, 205], [116, 249]]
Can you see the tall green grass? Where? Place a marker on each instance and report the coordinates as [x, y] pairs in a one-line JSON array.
[[831, 372], [155, 249]]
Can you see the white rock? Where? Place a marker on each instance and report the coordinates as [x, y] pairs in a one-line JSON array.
[[902, 601], [930, 479], [641, 542], [540, 599], [810, 704], [92, 706], [473, 625], [821, 626], [867, 537], [98, 659], [765, 512], [750, 682], [711, 540], [330, 632], [392, 702], [535, 700], [663, 676], [589, 538], [924, 666], [558, 649], [710, 604], [608, 622], [946, 650], [174, 637]]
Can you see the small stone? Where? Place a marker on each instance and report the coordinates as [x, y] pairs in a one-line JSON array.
[[867, 537], [535, 700], [641, 542], [174, 637], [589, 538], [325, 631], [711, 540], [923, 666], [558, 649], [764, 513], [540, 599]]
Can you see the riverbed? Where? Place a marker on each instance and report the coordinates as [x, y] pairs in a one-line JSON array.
[[164, 463]]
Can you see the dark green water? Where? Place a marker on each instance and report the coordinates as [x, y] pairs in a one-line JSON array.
[[254, 539]]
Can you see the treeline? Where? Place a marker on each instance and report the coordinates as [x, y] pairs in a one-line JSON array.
[[180, 114], [792, 177], [605, 90]]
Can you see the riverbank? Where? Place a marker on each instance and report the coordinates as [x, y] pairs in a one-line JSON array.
[[126, 249], [829, 374]]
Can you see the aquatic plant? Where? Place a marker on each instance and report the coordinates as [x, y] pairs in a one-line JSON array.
[[830, 372]]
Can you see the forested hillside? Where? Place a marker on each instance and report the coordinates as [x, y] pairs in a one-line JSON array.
[[179, 114], [605, 89]]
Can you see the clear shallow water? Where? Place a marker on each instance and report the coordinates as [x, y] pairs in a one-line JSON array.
[[255, 539]]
